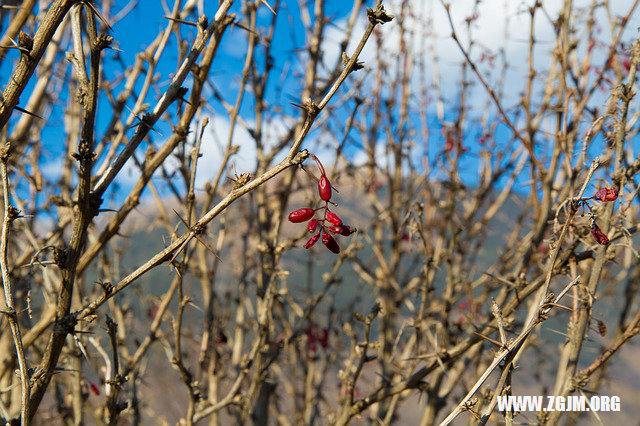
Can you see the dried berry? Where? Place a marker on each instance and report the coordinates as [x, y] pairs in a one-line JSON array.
[[331, 217], [301, 215], [313, 224], [600, 237], [606, 194], [324, 188], [312, 241], [346, 230], [330, 243], [602, 328]]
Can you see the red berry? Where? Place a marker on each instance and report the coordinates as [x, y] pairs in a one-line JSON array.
[[331, 217], [600, 237], [311, 339], [312, 241], [301, 215], [95, 389], [323, 338], [324, 188], [330, 243], [335, 229], [606, 194], [313, 224]]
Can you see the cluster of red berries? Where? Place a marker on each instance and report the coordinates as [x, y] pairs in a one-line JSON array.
[[317, 336], [604, 195], [330, 222]]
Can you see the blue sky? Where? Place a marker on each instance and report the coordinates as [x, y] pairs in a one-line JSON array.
[[140, 26]]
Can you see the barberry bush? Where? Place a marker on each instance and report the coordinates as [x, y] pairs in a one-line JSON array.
[[316, 212]]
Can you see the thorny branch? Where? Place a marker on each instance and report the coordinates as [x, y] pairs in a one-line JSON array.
[[150, 189]]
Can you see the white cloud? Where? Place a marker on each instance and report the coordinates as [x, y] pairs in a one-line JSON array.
[[488, 31], [500, 24], [212, 149]]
